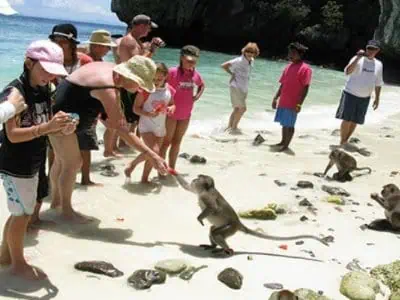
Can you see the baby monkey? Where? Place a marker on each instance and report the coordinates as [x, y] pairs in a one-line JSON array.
[[225, 221], [390, 201], [345, 163]]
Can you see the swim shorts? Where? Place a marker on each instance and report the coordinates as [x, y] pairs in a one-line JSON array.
[[352, 108], [21, 194], [286, 117]]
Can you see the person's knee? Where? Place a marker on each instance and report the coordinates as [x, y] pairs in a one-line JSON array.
[[243, 109]]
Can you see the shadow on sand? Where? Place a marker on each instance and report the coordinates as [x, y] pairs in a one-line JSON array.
[[199, 252], [275, 149], [16, 288], [90, 231]]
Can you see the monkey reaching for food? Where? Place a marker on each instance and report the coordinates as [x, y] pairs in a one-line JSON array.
[[345, 163], [225, 221], [390, 202]]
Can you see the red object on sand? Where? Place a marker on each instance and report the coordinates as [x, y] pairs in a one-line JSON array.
[[172, 171], [120, 219], [283, 247]]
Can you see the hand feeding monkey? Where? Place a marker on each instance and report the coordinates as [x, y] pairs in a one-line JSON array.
[[345, 164], [225, 221], [390, 201]]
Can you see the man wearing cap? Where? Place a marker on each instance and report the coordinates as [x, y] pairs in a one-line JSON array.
[[129, 46], [364, 75]]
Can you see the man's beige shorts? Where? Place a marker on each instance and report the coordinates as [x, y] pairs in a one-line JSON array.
[[238, 97]]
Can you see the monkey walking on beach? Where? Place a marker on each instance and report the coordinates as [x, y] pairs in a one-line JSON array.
[[345, 163], [225, 221], [390, 202]]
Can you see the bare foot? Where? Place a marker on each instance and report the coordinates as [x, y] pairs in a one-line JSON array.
[[75, 217], [111, 154], [91, 183], [283, 149], [28, 272], [37, 223], [55, 204], [277, 145], [128, 171], [145, 181]]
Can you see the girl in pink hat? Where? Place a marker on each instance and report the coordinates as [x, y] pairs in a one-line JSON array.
[[24, 146]]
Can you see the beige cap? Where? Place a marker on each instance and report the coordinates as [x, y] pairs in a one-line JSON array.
[[101, 37], [140, 69]]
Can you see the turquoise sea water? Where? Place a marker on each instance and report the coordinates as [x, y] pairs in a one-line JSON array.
[[212, 111]]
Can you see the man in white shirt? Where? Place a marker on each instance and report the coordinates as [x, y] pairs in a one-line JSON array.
[[364, 76]]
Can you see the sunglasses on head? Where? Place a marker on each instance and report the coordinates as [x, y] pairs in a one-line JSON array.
[[372, 48]]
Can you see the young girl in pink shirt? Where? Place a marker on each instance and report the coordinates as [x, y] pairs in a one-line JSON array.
[[183, 79]]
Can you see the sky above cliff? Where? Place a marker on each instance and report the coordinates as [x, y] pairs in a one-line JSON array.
[[98, 11]]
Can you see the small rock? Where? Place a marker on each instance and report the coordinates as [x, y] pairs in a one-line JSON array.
[[265, 213], [329, 239], [171, 266], [339, 208], [305, 184], [386, 128], [273, 286], [294, 188], [354, 265], [359, 218], [359, 285], [298, 243], [232, 278], [279, 183], [99, 267], [394, 173], [184, 155], [389, 136], [353, 211], [364, 227], [309, 252], [190, 271], [369, 204], [335, 200], [195, 159], [336, 191], [370, 244], [305, 202], [331, 229], [262, 174], [306, 294], [303, 219], [144, 279], [355, 203], [312, 210], [249, 257], [388, 274], [258, 140]]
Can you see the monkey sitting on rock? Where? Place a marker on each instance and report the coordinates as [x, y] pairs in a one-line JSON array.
[[225, 221], [390, 202], [345, 163]]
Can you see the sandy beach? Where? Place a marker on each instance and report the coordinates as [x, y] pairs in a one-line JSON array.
[[137, 225]]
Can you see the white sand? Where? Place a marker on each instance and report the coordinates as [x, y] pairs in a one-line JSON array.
[[160, 223]]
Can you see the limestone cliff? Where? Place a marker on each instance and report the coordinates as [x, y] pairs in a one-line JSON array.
[[225, 25], [388, 31]]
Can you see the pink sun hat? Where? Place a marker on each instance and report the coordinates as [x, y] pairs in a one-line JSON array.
[[49, 55]]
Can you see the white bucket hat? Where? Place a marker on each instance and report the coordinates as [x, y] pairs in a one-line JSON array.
[[140, 69]]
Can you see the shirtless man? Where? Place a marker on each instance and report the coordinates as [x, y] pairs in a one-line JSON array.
[[127, 47]]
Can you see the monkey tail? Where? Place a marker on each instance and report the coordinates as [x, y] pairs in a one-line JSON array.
[[365, 168], [280, 238]]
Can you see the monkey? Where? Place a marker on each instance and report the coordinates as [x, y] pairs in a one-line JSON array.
[[390, 202], [345, 164], [224, 219]]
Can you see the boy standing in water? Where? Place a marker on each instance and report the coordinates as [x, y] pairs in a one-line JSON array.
[[295, 81]]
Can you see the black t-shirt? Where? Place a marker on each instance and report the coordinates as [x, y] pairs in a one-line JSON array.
[[23, 159]]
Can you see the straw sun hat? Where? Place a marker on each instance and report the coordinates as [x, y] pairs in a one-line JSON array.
[[101, 37], [140, 69]]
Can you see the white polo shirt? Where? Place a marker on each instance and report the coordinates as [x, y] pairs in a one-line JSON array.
[[241, 67], [366, 76]]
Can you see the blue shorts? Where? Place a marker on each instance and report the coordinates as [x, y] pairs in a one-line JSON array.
[[286, 117], [352, 108]]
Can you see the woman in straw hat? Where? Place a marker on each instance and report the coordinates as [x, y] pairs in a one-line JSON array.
[[90, 90]]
